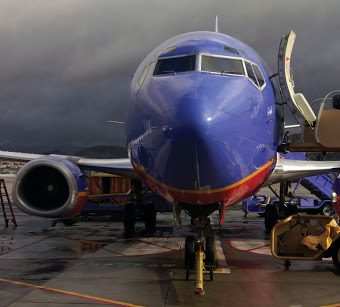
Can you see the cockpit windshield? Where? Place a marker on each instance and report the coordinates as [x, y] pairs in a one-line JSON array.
[[208, 63], [175, 65], [222, 65]]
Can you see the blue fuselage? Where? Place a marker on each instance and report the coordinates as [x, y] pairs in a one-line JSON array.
[[201, 136]]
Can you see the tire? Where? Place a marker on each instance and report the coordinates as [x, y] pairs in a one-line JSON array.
[[291, 210], [129, 218], [336, 254], [189, 253], [211, 274], [210, 250], [327, 210], [150, 217], [69, 222], [271, 217]]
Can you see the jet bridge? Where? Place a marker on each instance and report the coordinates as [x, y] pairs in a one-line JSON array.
[[321, 132]]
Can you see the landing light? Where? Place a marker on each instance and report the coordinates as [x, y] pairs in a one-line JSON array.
[[209, 119]]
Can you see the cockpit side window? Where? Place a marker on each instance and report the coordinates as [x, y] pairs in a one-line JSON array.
[[175, 65], [258, 75], [222, 65], [143, 75], [251, 73]]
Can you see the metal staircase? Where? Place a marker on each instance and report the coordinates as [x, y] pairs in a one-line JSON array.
[[320, 185], [6, 202]]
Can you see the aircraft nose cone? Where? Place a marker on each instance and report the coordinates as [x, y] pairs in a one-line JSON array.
[[192, 120], [191, 152], [200, 135]]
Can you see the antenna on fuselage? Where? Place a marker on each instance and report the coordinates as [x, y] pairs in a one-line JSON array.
[[216, 23]]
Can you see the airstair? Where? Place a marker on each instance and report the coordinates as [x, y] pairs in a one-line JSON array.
[[6, 203], [321, 132], [320, 185]]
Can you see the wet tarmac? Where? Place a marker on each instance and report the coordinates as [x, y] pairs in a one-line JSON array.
[[91, 264]]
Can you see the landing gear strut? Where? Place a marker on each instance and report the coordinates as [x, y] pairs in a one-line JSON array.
[[138, 202], [280, 209]]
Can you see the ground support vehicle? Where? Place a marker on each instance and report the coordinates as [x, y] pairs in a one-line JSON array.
[[255, 204], [286, 204], [336, 196], [120, 196], [289, 238]]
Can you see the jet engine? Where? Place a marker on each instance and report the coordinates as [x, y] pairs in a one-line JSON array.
[[50, 187]]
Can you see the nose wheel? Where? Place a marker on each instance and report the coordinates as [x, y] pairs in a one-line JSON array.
[[200, 257], [189, 258]]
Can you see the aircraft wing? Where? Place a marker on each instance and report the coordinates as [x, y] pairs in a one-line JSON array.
[[287, 169], [122, 167]]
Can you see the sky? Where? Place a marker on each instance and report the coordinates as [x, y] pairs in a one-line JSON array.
[[66, 65]]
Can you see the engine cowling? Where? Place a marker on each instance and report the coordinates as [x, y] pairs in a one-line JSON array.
[[50, 187]]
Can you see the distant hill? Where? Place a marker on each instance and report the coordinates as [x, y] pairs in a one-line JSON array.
[[64, 149], [99, 151]]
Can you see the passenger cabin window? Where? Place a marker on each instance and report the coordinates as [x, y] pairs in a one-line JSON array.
[[175, 65], [222, 65], [258, 75], [251, 73]]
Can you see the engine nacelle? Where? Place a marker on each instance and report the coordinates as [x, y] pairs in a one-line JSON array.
[[50, 187]]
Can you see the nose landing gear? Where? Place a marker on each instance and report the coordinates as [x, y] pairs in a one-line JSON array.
[[200, 253]]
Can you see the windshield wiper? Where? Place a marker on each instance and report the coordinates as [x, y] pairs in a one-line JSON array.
[[228, 72], [168, 72]]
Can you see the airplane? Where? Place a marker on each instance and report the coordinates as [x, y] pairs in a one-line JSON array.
[[204, 126]]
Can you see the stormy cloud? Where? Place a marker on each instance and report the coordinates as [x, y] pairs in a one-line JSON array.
[[66, 65]]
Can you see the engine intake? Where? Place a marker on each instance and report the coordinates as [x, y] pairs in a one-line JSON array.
[[50, 187]]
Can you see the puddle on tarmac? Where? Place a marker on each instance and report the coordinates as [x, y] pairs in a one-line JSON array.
[[50, 268]]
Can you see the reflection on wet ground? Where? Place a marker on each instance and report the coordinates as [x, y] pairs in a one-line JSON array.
[[93, 260]]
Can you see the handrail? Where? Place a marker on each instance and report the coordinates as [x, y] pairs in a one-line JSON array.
[[322, 106]]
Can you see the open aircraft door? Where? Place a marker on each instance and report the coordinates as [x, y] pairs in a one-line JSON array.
[[320, 133], [296, 101]]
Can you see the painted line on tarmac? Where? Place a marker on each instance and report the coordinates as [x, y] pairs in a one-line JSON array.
[[222, 262], [260, 247], [70, 293], [23, 246], [157, 245], [255, 248]]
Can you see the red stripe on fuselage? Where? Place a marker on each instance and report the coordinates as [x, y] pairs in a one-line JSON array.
[[228, 195]]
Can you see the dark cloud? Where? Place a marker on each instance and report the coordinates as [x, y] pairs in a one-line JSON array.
[[66, 64]]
